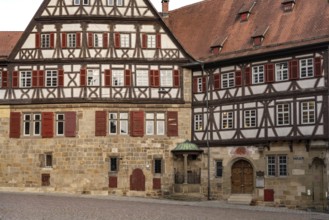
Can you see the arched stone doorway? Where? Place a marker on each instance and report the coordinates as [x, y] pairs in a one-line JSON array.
[[242, 179], [318, 182], [137, 180]]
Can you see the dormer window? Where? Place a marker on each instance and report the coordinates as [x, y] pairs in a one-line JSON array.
[[245, 11], [218, 45], [288, 5], [259, 36]]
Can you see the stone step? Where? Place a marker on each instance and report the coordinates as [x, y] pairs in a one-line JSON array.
[[186, 197], [240, 199]]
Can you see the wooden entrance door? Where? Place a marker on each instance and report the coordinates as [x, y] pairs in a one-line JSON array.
[[242, 177], [318, 172], [137, 180]]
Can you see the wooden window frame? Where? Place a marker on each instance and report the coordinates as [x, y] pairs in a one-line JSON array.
[[142, 78], [114, 164], [227, 119], [250, 121], [278, 167], [198, 122], [25, 79], [51, 78], [93, 77], [125, 40], [228, 80], [115, 3], [310, 112], [158, 166], [305, 67], [98, 40], [81, 2], [166, 78], [281, 114], [154, 122], [60, 123], [71, 40], [281, 72], [48, 160], [258, 76], [118, 77]]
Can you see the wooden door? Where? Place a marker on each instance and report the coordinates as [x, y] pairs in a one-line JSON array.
[[137, 180], [242, 177], [318, 172]]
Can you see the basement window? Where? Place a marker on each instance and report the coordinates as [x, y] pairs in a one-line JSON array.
[[288, 5]]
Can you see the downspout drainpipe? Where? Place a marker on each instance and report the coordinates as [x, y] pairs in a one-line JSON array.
[[207, 132]]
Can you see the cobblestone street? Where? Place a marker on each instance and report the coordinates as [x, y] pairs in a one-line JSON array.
[[44, 206]]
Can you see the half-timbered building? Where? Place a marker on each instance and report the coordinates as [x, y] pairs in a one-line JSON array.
[[92, 99], [260, 97]]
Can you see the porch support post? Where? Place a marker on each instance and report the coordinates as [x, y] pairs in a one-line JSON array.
[[185, 168]]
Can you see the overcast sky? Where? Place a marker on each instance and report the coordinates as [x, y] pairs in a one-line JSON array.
[[16, 14]]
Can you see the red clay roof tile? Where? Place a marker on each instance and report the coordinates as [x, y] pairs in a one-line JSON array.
[[8, 41]]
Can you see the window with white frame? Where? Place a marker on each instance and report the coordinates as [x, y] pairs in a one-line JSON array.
[[25, 79], [151, 41], [166, 78], [98, 40], [32, 124], [281, 71], [306, 68], [228, 80], [277, 165], [93, 77], [142, 78], [115, 2], [198, 122], [227, 120], [60, 121], [117, 78], [258, 74], [308, 112], [78, 2], [124, 40], [51, 78], [116, 119], [155, 123], [71, 40], [199, 84], [45, 40], [250, 118], [283, 114]]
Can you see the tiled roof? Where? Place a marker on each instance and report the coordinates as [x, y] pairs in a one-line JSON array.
[[200, 25], [8, 41]]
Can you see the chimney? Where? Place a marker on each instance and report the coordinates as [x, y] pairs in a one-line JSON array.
[[165, 8]]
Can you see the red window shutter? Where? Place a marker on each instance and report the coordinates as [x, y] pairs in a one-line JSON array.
[[127, 78], [47, 124], [105, 40], [15, 125], [64, 43], [317, 67], [90, 40], [238, 78], [176, 78], [204, 84], [70, 124], [78, 39], [52, 40], [117, 41], [137, 123], [158, 41], [217, 81], [100, 123], [195, 85], [269, 72], [15, 79], [60, 78], [4, 83], [172, 124], [35, 78], [154, 78], [83, 75], [293, 69], [41, 78], [248, 76], [37, 40], [144, 41], [108, 78]]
